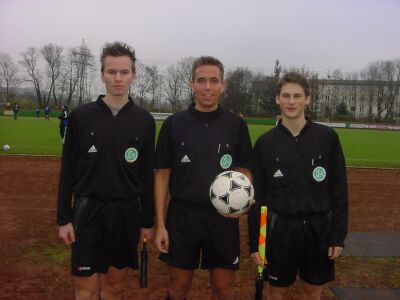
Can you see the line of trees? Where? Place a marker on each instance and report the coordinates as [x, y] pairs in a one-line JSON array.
[[61, 76], [57, 76]]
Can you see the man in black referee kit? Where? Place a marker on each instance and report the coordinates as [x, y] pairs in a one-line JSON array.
[[107, 166], [299, 172], [193, 147]]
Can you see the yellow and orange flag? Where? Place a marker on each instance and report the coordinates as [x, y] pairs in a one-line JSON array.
[[263, 235]]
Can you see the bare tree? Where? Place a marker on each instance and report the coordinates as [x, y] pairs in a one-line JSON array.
[[61, 86], [391, 74], [155, 84], [8, 74], [303, 70], [70, 74], [84, 60], [177, 84], [52, 54], [142, 82], [29, 62], [238, 91], [173, 88], [261, 95], [312, 109], [384, 80], [270, 90], [185, 69]]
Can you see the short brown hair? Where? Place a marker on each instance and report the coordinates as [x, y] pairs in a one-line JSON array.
[[294, 77], [207, 60], [117, 49]]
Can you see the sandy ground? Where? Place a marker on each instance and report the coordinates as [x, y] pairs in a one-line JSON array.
[[31, 266]]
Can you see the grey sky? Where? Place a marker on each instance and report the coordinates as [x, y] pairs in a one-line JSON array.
[[320, 34]]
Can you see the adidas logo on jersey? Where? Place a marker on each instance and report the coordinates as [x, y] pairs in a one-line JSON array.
[[185, 159], [92, 149], [278, 173]]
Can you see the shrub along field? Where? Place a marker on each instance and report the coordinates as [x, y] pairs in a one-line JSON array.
[[366, 148]]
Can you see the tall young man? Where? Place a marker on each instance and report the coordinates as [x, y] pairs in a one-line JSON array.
[[300, 174], [193, 147], [107, 166]]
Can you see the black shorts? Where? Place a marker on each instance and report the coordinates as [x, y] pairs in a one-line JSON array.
[[201, 237], [298, 244], [106, 234]]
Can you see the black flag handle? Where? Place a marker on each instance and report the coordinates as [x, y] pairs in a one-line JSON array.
[[143, 265]]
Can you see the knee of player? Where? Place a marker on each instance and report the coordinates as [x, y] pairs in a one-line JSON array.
[[222, 288], [310, 291], [87, 293], [114, 289], [179, 290], [278, 293], [222, 285]]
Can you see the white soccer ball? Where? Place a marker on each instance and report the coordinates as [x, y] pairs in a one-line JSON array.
[[231, 193], [6, 147]]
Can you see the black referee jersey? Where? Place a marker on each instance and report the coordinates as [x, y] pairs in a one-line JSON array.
[[197, 146], [305, 174], [108, 157]]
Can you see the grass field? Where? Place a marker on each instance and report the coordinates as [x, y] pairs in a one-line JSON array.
[[367, 148]]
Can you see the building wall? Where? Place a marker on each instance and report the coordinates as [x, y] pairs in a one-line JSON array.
[[361, 99]]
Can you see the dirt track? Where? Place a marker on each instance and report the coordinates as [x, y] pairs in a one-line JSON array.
[[30, 265]]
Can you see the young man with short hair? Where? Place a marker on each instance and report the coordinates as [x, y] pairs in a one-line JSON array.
[[193, 147], [107, 166], [299, 172]]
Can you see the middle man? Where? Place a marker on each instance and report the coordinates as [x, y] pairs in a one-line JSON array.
[[193, 147]]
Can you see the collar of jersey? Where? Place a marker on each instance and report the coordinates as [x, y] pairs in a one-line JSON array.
[[286, 131], [101, 102], [205, 115]]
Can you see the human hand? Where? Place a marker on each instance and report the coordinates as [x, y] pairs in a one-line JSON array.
[[147, 233], [66, 233], [258, 260], [161, 240], [233, 216], [334, 252]]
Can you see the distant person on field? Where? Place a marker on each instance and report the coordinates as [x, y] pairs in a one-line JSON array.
[[15, 111], [63, 121], [278, 118], [107, 168], [37, 111], [47, 112]]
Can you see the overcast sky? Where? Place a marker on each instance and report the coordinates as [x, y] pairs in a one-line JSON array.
[[320, 34]]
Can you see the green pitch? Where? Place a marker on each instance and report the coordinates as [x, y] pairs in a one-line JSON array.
[[368, 148], [30, 135], [362, 147]]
